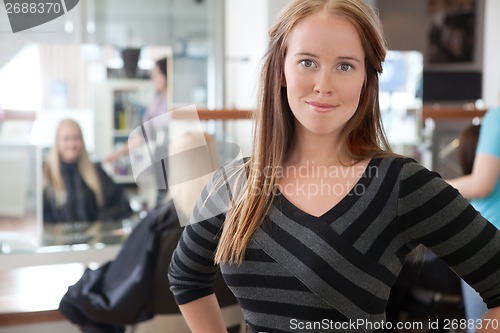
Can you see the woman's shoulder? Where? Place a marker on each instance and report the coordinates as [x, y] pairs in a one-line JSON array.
[[403, 165], [394, 160], [492, 117], [493, 112], [103, 174], [99, 168]]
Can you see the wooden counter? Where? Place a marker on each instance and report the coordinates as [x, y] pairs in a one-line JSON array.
[[219, 114], [31, 295], [451, 113], [434, 112]]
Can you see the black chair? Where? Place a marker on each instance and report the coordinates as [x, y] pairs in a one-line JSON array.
[[427, 292]]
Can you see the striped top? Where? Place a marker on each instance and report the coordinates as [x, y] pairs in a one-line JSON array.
[[334, 272]]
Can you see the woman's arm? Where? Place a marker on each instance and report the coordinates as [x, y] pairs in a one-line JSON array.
[[483, 179], [490, 321], [204, 315]]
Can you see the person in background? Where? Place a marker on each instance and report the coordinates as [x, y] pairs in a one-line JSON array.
[[479, 157], [467, 146], [75, 189], [158, 130], [322, 215]]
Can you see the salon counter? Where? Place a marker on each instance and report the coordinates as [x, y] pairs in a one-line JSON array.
[[31, 295], [33, 280]]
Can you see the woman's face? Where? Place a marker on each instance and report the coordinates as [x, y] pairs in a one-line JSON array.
[[69, 143], [324, 73], [159, 80]]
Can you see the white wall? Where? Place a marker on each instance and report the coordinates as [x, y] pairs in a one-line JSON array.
[[491, 53], [245, 44], [246, 37]]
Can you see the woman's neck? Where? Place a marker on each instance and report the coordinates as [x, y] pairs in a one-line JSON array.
[[313, 149]]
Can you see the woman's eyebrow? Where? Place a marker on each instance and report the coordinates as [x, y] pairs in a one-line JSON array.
[[312, 55], [352, 58], [308, 54]]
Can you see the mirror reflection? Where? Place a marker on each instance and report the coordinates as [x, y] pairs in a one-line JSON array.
[[62, 180], [20, 184]]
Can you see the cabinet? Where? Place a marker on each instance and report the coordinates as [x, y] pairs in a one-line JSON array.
[[119, 107]]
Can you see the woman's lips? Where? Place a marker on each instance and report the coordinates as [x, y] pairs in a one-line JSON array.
[[321, 107]]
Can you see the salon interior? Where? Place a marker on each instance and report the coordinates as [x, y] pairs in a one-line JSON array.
[[93, 65]]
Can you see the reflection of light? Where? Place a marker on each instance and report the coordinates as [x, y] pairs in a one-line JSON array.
[[99, 246], [146, 64], [40, 288], [21, 82], [91, 27], [115, 63], [68, 26], [5, 249]]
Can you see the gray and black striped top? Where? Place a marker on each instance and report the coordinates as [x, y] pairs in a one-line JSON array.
[[303, 273]]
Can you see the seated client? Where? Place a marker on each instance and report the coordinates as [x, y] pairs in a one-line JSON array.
[[75, 189]]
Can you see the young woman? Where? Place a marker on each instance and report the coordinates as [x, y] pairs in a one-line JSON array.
[[156, 121], [316, 237], [479, 154], [75, 189]]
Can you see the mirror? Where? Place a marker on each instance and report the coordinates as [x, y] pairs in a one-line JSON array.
[[92, 85], [73, 66], [20, 194]]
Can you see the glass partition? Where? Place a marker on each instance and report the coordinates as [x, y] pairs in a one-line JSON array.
[[401, 100]]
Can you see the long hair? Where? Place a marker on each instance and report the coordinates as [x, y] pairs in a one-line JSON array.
[[361, 138], [162, 66], [466, 150], [86, 168]]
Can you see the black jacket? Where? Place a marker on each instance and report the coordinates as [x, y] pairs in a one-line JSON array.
[[81, 205], [134, 287]]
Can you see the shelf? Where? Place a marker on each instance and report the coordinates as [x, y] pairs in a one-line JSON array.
[[451, 113], [219, 114]]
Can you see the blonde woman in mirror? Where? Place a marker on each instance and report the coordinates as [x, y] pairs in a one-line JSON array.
[[481, 185], [317, 236], [75, 189]]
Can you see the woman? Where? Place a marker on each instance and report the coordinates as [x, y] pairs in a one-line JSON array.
[[155, 121], [480, 184], [317, 235], [75, 189], [466, 150]]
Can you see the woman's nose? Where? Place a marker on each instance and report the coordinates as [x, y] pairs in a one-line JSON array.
[[323, 84]]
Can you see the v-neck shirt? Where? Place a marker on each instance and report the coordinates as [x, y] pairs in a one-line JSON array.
[[307, 273]]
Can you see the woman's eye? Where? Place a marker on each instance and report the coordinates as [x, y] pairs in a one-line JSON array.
[[308, 63], [345, 67]]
